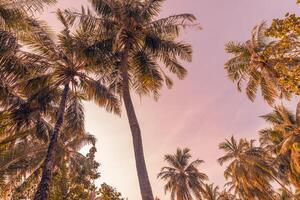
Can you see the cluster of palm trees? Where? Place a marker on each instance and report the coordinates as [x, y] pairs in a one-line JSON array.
[[268, 171], [101, 55], [254, 64]]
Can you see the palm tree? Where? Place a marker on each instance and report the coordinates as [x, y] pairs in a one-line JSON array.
[[63, 74], [253, 63], [22, 152], [14, 15], [14, 65], [24, 162], [184, 180], [225, 195], [249, 171], [249, 65], [211, 192], [282, 139], [141, 44]]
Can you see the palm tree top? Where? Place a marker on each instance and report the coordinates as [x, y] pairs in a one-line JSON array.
[[249, 69], [184, 180], [63, 63], [152, 42]]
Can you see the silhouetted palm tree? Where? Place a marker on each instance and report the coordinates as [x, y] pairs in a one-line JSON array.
[[184, 180], [225, 195], [282, 139], [23, 163], [143, 46], [249, 66], [63, 74], [211, 192], [249, 171]]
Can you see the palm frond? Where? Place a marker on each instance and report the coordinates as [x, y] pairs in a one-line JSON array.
[[97, 92], [105, 7], [151, 9]]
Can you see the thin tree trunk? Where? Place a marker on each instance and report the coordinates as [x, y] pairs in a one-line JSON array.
[[43, 188], [283, 186], [298, 114], [145, 186]]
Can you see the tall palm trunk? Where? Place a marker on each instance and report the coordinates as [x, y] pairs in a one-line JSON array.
[[145, 186], [43, 188], [298, 114]]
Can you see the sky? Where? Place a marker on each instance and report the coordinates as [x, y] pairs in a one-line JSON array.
[[200, 111]]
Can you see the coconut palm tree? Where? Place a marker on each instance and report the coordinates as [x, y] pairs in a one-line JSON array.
[[143, 45], [184, 180], [14, 15], [249, 171], [24, 147], [282, 139], [24, 162], [211, 192], [22, 155], [249, 66], [225, 195], [253, 62], [14, 63], [14, 66], [63, 75]]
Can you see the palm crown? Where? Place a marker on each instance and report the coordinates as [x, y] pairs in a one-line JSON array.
[[184, 180], [248, 65], [249, 171], [151, 42], [140, 47], [282, 139]]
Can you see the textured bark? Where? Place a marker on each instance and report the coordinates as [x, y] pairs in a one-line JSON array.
[[145, 186], [298, 113], [43, 187]]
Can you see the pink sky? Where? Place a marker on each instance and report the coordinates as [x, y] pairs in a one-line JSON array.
[[197, 113]]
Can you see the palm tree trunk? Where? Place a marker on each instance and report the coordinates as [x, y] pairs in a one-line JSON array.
[[298, 114], [43, 188], [283, 186], [145, 186]]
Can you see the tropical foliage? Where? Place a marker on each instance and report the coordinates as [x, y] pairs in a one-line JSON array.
[[269, 61], [143, 48], [184, 180], [41, 102], [104, 54], [282, 139]]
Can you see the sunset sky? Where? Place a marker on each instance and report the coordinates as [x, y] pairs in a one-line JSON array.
[[200, 111]]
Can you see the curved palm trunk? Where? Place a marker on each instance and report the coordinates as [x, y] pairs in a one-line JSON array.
[[43, 188], [145, 186], [298, 114]]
